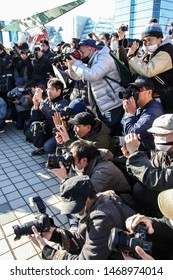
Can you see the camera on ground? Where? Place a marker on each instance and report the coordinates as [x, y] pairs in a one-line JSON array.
[[42, 223], [126, 242]]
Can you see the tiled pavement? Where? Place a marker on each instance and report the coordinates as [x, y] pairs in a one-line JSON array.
[[21, 177]]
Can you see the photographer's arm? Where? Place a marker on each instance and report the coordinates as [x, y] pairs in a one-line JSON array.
[[134, 220], [60, 172]]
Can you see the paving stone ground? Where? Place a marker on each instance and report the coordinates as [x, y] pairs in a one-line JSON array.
[[21, 177]]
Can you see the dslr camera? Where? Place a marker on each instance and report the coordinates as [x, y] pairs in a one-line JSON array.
[[61, 155], [123, 28], [64, 56], [42, 223], [129, 91], [127, 43], [12, 96], [126, 242]]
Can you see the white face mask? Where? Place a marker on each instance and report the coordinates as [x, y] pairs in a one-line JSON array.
[[158, 140], [114, 45], [77, 170], [104, 41], [150, 49]]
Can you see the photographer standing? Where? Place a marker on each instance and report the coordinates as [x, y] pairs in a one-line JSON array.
[[96, 63], [42, 68], [156, 63]]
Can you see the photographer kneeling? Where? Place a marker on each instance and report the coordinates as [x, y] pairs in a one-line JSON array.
[[98, 214], [20, 102], [160, 231]]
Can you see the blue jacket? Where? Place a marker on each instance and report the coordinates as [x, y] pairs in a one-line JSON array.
[[47, 108], [139, 123]]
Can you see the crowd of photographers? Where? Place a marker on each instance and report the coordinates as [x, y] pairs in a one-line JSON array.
[[111, 146]]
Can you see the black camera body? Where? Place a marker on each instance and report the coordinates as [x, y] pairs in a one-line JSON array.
[[126, 242], [65, 113], [129, 91], [61, 155], [124, 27], [12, 96], [42, 223], [64, 56]]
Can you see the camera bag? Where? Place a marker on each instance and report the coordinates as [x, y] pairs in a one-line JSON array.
[[41, 133]]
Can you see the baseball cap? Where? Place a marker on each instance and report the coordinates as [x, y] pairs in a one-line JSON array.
[[74, 192], [90, 43], [142, 81], [153, 29], [84, 118], [165, 202], [77, 105], [20, 81], [162, 124]]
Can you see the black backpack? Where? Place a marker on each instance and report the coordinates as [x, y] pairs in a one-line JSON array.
[[124, 73]]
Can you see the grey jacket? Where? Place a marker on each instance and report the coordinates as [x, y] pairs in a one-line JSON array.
[[101, 64], [107, 212], [155, 174]]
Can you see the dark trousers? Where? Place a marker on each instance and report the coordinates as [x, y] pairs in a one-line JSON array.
[[113, 120]]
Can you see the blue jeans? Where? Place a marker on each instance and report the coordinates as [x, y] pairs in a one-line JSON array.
[[113, 120], [50, 146]]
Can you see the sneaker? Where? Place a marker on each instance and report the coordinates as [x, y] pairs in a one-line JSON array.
[[2, 130], [38, 152]]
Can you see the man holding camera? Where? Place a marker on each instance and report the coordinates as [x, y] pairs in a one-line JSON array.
[[160, 231], [20, 102], [141, 109], [43, 110], [153, 175], [156, 63], [96, 63], [98, 214]]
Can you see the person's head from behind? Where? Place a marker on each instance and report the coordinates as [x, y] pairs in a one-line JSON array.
[[145, 88], [83, 152], [86, 48], [54, 88], [162, 130], [77, 193], [152, 37], [83, 123]]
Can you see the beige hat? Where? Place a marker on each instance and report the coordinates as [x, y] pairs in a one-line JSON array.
[[165, 202], [162, 124]]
